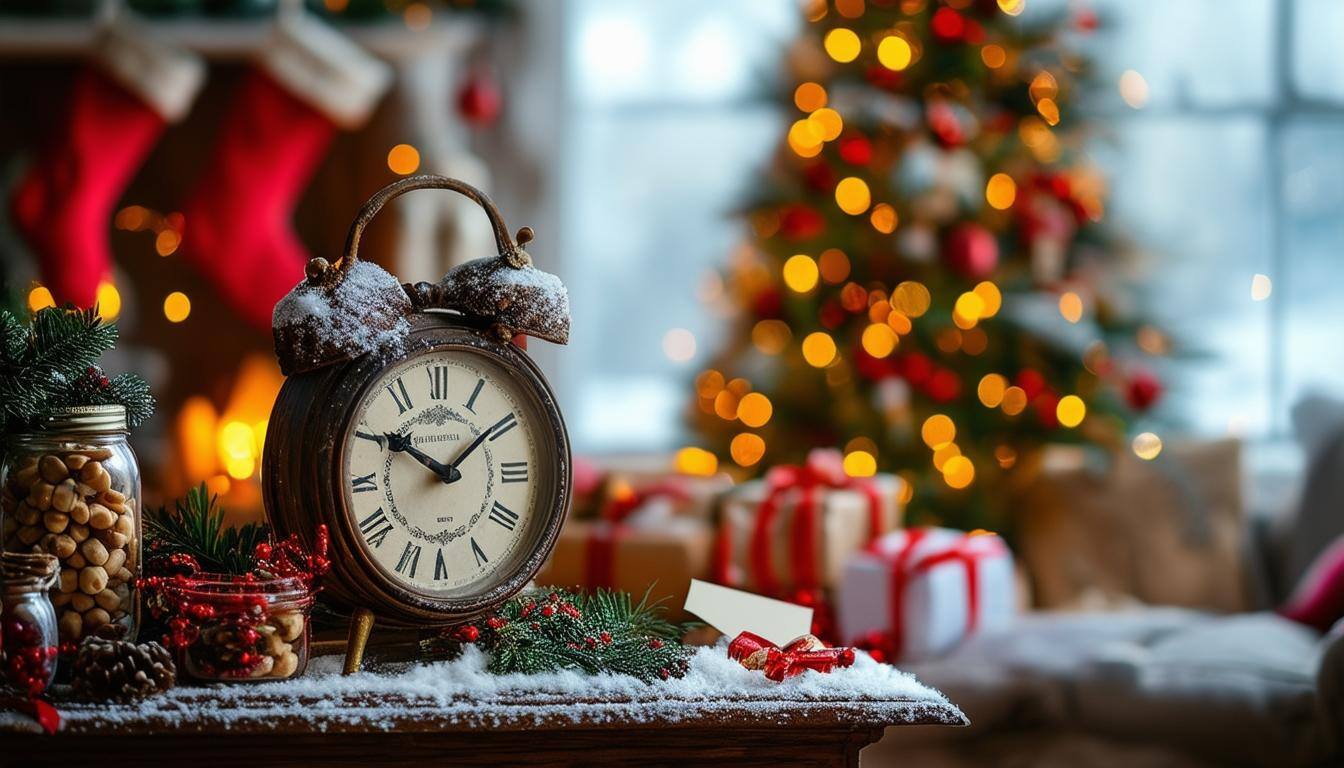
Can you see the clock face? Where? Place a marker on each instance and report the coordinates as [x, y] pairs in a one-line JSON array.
[[449, 468]]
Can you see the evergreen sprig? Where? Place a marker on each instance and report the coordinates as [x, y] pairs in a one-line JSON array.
[[546, 630], [51, 362], [197, 528]]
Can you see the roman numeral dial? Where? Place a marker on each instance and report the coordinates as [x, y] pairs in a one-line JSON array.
[[447, 462]]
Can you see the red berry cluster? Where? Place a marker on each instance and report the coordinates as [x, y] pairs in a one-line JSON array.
[[29, 661]]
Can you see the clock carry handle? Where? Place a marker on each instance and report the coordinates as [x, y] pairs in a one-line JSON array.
[[510, 249]]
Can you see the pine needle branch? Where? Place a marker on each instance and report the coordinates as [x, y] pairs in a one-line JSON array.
[[197, 528]]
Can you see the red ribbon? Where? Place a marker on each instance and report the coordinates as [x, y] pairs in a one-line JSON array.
[[817, 473], [43, 713], [797, 656], [902, 570], [599, 565]]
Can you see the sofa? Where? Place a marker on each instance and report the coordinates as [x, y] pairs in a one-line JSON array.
[[1113, 678]]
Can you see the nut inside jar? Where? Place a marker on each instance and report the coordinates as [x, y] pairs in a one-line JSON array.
[[79, 506]]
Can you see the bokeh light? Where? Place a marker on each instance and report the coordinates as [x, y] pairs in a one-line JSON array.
[[1071, 306], [842, 45], [809, 97], [911, 298], [937, 430], [991, 297], [176, 307], [755, 409], [109, 300], [1261, 287], [403, 159], [991, 389], [879, 340], [40, 298], [852, 195], [894, 53], [771, 336], [679, 345], [1070, 410], [958, 472], [1014, 400], [860, 464], [1000, 191], [696, 461], [1133, 89], [818, 349], [1147, 446], [993, 56], [834, 266], [746, 449], [801, 273]]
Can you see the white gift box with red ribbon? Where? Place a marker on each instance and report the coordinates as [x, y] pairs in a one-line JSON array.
[[917, 593]]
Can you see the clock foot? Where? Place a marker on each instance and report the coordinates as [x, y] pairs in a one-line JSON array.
[[361, 624]]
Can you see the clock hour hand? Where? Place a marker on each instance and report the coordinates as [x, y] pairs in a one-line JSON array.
[[401, 443]]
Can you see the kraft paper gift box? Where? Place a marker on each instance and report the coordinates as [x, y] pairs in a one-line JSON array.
[[915, 594], [652, 550], [791, 533], [614, 492]]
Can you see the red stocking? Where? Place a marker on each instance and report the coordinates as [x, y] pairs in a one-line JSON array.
[[63, 207], [236, 224]]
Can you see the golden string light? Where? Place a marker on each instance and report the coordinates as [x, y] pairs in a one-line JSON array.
[[176, 307], [403, 159], [1070, 410], [800, 273], [860, 463], [852, 195], [842, 45], [879, 340], [809, 97], [755, 410], [894, 53], [1000, 191], [937, 430], [991, 389], [911, 298], [1071, 306], [109, 300], [746, 449], [40, 298], [1147, 446], [696, 461], [818, 349]]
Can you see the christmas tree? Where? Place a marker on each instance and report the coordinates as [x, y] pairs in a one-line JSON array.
[[930, 284]]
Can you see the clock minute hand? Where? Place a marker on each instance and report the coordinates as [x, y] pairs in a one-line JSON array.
[[401, 443], [461, 457]]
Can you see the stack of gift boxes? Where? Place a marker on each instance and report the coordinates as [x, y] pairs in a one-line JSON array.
[[808, 534]]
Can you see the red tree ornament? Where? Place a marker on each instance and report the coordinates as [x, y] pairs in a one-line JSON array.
[[479, 100], [1143, 390], [856, 149], [799, 222], [971, 251]]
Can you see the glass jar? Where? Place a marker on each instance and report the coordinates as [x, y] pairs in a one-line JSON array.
[[239, 629], [28, 634], [72, 489]]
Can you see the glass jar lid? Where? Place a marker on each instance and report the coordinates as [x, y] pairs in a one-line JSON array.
[[87, 418]]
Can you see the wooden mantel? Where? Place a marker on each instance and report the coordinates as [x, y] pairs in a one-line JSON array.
[[311, 722]]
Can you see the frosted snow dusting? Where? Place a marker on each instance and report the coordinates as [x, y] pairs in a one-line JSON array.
[[366, 312], [463, 692]]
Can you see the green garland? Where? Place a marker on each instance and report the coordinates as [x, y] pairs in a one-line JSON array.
[[547, 630], [197, 528], [51, 362]]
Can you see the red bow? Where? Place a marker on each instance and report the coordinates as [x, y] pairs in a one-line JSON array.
[[807, 652], [823, 469]]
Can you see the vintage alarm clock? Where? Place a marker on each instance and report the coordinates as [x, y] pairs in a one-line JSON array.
[[417, 431]]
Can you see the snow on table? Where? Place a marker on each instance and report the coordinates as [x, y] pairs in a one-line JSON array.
[[461, 694]]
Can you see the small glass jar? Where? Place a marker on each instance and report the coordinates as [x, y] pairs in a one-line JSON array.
[[72, 489], [28, 635], [239, 629]]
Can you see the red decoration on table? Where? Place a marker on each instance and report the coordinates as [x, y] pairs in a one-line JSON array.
[[63, 206], [237, 228], [797, 656]]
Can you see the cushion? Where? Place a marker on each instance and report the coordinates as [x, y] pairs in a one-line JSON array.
[[1318, 601], [1162, 532]]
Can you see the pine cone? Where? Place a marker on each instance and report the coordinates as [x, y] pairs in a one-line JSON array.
[[115, 670]]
